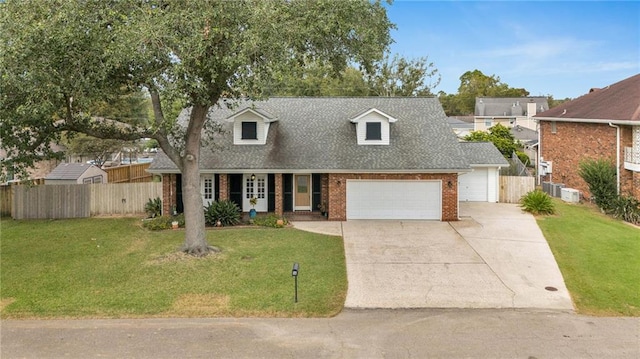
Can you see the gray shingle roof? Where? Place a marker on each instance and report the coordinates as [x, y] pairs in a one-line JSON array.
[[501, 106], [523, 134], [483, 153], [68, 171], [316, 134]]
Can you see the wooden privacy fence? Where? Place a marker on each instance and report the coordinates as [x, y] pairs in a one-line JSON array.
[[54, 201], [134, 173], [81, 200], [123, 199], [512, 188], [6, 198]]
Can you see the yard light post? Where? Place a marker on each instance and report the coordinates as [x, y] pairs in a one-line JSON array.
[[294, 274]]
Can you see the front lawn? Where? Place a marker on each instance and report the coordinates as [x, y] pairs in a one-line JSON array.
[[114, 268], [599, 258]]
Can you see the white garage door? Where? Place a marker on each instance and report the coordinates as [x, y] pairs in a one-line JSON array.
[[474, 186], [381, 199]]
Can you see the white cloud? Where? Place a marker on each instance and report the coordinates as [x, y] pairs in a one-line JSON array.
[[540, 49]]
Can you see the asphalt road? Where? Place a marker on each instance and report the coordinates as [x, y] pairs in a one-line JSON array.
[[381, 333]]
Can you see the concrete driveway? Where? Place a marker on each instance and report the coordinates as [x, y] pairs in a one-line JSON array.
[[494, 257]]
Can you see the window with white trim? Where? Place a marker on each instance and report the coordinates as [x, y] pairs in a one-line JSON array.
[[249, 130], [250, 188], [374, 131], [373, 127], [207, 188], [261, 188]]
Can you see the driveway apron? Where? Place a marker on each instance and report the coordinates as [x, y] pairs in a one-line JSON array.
[[494, 257]]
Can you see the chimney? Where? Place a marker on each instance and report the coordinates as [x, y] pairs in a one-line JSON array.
[[531, 109]]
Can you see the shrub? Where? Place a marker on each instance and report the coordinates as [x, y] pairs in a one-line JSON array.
[[163, 222], [153, 207], [523, 158], [227, 212], [626, 208], [270, 220], [600, 176], [537, 202]]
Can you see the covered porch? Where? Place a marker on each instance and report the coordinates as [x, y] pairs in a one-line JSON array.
[[293, 195]]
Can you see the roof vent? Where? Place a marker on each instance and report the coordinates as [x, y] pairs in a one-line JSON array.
[[516, 109]]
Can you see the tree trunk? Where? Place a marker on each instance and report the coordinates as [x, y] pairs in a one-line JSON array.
[[195, 241]]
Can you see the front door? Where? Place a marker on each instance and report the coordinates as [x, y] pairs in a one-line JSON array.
[[302, 196], [255, 186]]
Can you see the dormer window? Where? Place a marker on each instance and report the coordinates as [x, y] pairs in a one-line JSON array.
[[373, 127], [249, 130], [374, 131], [251, 126]]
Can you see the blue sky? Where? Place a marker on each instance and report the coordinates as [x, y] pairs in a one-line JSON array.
[[559, 48]]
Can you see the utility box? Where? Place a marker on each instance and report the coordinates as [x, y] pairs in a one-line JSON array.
[[570, 195], [556, 189]]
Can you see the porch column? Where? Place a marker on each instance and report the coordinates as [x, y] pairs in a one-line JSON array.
[[168, 193], [278, 192], [223, 187], [324, 190], [337, 189]]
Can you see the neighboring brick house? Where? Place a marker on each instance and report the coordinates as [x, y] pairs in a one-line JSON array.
[[355, 158], [507, 111], [605, 123], [36, 173]]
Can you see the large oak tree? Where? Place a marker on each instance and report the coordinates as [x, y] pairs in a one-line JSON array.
[[59, 58], [389, 76]]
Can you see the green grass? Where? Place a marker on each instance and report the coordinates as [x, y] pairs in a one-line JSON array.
[[599, 258], [113, 268]]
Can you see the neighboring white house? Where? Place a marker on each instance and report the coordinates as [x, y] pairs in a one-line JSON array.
[[76, 173], [508, 111], [461, 125]]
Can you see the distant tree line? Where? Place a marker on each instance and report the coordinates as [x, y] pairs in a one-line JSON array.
[[394, 76]]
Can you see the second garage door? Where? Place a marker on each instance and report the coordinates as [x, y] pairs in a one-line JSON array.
[[381, 199], [474, 185]]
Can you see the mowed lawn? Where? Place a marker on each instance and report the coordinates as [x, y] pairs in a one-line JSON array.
[[114, 268], [599, 258]]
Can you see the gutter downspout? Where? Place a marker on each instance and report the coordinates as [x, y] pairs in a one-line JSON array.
[[538, 165], [617, 155]]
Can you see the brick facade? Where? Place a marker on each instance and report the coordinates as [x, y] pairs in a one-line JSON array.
[[324, 190], [635, 182], [337, 184], [278, 191], [333, 191], [223, 189], [168, 193], [566, 144]]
